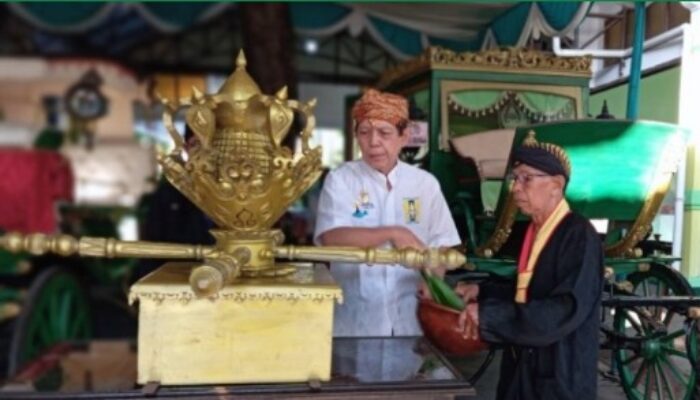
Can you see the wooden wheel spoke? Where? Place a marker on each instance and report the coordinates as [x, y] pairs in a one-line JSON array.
[[647, 381], [640, 372], [674, 335], [664, 381], [674, 370], [632, 359]]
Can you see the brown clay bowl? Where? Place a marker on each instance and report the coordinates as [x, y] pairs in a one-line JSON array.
[[440, 326]]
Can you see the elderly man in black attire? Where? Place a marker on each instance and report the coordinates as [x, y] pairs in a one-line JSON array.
[[547, 322]]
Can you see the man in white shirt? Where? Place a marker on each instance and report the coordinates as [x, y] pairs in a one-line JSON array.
[[379, 201]]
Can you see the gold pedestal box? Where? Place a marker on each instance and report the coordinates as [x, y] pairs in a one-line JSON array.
[[255, 330]]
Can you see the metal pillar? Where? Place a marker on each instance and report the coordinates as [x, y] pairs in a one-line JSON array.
[[640, 14]]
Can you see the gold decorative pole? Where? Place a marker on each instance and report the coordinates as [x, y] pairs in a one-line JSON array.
[[65, 245], [231, 257], [411, 258]]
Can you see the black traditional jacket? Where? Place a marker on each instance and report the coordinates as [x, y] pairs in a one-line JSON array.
[[551, 341]]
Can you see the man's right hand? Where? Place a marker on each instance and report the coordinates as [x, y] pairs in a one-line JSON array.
[[403, 238]]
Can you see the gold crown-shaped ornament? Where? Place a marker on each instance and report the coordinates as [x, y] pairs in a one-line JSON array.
[[238, 172], [556, 151]]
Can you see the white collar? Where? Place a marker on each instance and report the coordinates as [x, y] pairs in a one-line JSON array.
[[391, 177]]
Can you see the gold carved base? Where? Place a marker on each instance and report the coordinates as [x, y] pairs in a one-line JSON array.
[[255, 330]]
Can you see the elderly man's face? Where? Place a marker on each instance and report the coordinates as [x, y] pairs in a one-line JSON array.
[[535, 192], [380, 142]]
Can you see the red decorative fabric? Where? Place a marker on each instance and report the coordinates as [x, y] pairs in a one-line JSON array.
[[32, 181], [527, 248]]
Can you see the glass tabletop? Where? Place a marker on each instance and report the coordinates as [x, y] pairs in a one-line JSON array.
[[388, 360], [360, 365]]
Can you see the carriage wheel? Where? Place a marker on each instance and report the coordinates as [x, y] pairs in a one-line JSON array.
[[655, 362], [56, 309]]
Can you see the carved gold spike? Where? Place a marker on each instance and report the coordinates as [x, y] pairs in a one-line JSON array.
[[202, 121], [240, 59], [197, 94], [282, 93], [312, 103]]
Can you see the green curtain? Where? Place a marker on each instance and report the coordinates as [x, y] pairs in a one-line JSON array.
[[548, 106], [477, 102]]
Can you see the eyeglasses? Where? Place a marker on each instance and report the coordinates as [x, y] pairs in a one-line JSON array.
[[524, 178]]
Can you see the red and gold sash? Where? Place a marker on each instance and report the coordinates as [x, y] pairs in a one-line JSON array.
[[532, 247]]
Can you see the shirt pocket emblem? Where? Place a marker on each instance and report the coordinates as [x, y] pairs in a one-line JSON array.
[[359, 212], [411, 210]]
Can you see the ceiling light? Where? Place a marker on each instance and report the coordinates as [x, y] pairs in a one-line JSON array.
[[311, 46]]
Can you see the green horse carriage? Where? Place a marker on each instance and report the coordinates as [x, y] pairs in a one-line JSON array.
[[481, 105]]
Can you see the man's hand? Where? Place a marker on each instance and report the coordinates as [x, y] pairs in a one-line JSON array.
[[468, 291], [403, 238], [399, 236], [469, 330]]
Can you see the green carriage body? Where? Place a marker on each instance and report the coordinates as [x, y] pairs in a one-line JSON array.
[[621, 172]]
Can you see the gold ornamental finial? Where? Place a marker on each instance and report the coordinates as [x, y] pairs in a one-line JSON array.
[[241, 61], [240, 85], [197, 95], [530, 140], [282, 93]]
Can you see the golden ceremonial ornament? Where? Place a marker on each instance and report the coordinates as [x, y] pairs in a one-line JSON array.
[[230, 310], [241, 177]]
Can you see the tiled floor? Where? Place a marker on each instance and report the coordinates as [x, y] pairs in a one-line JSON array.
[[486, 386]]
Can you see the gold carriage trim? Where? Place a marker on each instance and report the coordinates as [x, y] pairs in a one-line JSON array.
[[507, 59]]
